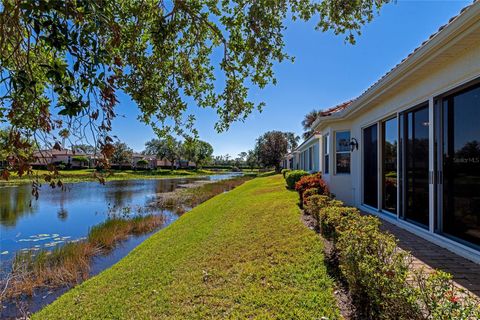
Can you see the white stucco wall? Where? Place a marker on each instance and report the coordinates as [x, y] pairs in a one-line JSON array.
[[457, 68]]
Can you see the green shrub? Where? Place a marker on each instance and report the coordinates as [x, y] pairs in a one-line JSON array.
[[375, 269], [334, 219], [313, 181], [285, 171], [80, 159], [439, 298], [308, 193], [379, 274], [293, 177], [317, 202]]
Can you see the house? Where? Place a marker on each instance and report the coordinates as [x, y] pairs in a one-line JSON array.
[[53, 156], [164, 163], [408, 148], [288, 161], [307, 154], [142, 161]]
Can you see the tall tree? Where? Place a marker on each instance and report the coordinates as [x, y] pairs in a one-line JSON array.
[[252, 159], [204, 153], [308, 122], [156, 147], [173, 151], [292, 140], [242, 156], [197, 151], [189, 149], [271, 148], [122, 154], [63, 63]]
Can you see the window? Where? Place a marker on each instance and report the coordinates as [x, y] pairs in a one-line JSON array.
[[459, 164], [414, 169], [370, 165], [326, 154], [389, 157], [310, 158], [342, 152]]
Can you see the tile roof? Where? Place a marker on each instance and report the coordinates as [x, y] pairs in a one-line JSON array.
[[346, 104], [336, 108]]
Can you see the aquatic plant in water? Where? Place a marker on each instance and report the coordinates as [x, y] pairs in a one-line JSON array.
[[70, 264]]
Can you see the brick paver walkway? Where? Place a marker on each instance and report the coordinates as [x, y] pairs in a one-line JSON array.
[[465, 272]]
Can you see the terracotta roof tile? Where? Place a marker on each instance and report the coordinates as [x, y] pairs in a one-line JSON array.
[[336, 108]]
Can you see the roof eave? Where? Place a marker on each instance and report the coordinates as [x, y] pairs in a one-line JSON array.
[[468, 16]]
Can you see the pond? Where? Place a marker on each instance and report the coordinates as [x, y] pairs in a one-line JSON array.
[[62, 216]]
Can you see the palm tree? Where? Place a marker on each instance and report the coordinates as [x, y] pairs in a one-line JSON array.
[[308, 122]]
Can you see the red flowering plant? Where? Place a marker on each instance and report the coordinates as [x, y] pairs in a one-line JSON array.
[[313, 181]]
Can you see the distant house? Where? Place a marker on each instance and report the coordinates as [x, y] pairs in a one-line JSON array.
[[308, 154], [141, 161], [53, 156], [288, 161], [408, 148], [164, 163], [69, 158]]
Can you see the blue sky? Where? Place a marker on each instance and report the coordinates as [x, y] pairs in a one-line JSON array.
[[326, 72]]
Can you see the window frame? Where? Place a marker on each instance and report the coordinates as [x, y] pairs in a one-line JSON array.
[[343, 152], [310, 158], [326, 154]]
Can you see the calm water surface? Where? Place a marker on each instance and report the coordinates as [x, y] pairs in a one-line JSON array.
[[61, 216]]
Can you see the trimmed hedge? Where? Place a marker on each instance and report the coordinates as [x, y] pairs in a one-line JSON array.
[[285, 171], [313, 181], [379, 275], [293, 177]]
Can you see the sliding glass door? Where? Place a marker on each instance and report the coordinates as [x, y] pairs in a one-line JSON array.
[[370, 165], [389, 165], [459, 165], [415, 165]]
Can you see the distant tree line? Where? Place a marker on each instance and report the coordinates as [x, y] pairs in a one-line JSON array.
[[171, 149]]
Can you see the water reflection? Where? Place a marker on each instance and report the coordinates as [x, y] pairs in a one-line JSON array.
[[62, 214], [71, 212], [14, 203]]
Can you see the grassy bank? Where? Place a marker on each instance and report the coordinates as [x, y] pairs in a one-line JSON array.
[[184, 199], [72, 176], [242, 254]]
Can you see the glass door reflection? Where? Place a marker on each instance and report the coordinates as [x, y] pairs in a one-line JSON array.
[[460, 166], [389, 168]]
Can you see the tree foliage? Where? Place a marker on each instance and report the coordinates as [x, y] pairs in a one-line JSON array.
[[64, 62], [308, 122], [15, 149], [80, 159], [122, 154], [168, 148], [156, 147], [272, 146], [252, 159], [203, 153], [194, 150]]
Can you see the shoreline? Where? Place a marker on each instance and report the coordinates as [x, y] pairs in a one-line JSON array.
[[68, 177]]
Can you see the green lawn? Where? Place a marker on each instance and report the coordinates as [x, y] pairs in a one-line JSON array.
[[71, 176], [242, 254]]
